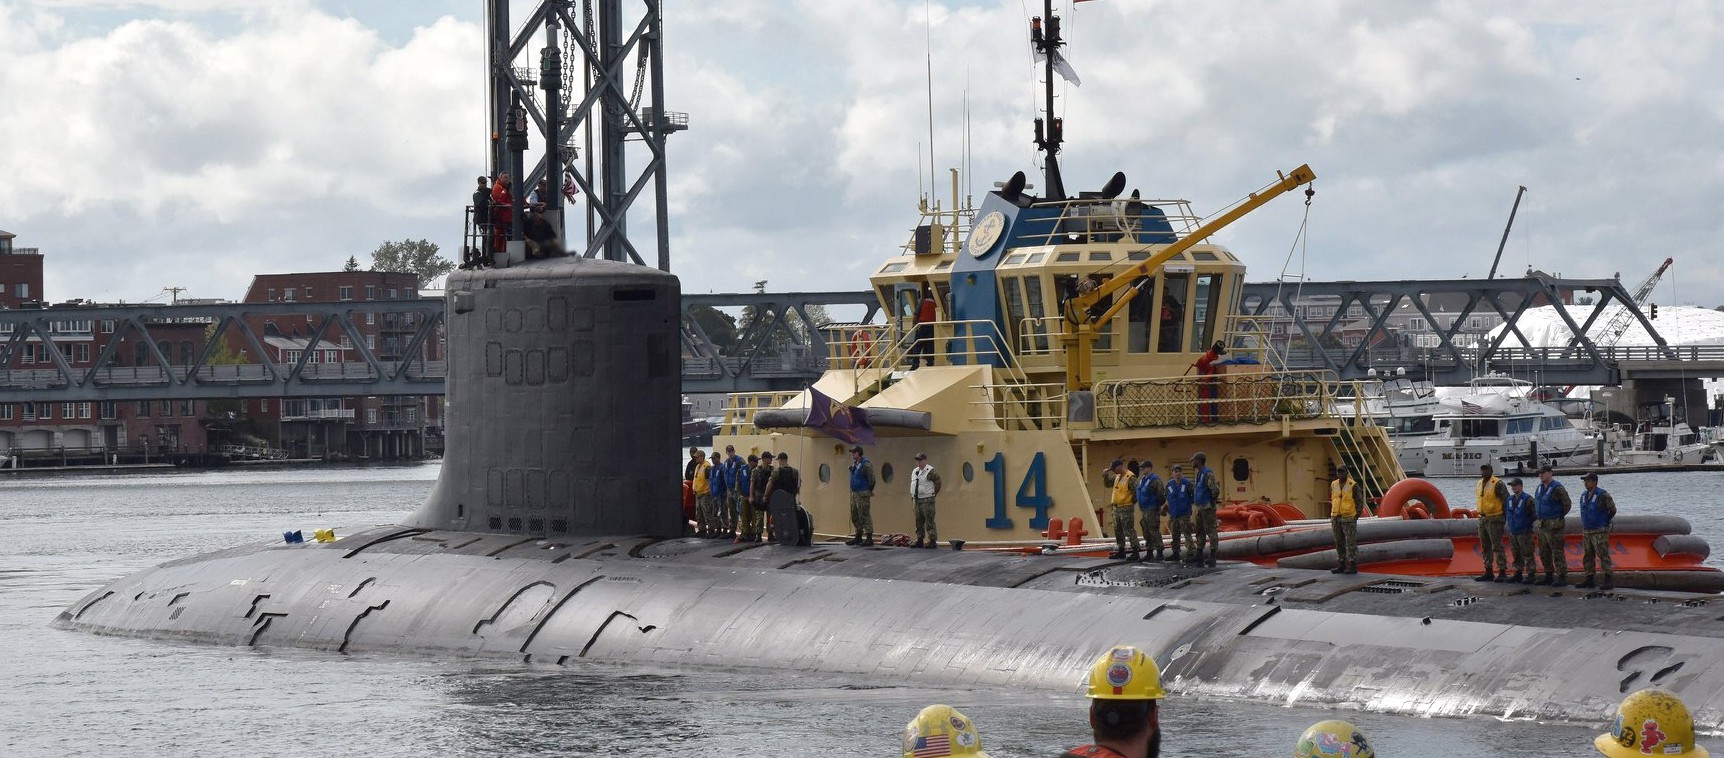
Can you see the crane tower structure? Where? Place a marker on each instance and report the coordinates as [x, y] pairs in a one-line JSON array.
[[593, 96]]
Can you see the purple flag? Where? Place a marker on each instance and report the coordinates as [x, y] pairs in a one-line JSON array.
[[838, 420]]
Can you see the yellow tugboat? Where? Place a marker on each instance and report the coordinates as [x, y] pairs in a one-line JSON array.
[[1069, 332], [1032, 341]]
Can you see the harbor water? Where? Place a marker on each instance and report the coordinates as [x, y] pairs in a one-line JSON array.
[[75, 694]]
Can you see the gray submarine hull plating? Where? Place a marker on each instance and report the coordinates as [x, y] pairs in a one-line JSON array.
[[1415, 646], [563, 401]]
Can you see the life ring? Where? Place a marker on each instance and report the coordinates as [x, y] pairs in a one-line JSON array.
[[861, 348], [1396, 500]]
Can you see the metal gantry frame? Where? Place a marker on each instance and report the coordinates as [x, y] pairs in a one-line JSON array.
[[583, 76], [1577, 362]]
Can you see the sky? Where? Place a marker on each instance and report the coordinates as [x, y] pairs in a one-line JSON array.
[[148, 144]]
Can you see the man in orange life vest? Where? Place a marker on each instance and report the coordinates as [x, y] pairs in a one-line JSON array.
[[1124, 692], [923, 349]]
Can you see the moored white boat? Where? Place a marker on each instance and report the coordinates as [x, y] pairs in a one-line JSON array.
[[1499, 422]]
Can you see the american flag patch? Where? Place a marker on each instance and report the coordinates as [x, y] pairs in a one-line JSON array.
[[1471, 409], [933, 747]]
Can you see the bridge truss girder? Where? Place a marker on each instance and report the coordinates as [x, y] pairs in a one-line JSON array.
[[257, 375], [751, 363], [1577, 362]]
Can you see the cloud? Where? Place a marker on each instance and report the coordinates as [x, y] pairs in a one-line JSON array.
[[292, 143], [243, 140]]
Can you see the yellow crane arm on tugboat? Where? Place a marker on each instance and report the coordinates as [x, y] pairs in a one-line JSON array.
[[1080, 334]]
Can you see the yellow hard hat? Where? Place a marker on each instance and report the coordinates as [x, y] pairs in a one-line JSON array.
[[941, 730], [1651, 722], [1125, 673], [1333, 738]]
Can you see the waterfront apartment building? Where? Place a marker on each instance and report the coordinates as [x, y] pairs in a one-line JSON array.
[[20, 273], [93, 430], [369, 427]]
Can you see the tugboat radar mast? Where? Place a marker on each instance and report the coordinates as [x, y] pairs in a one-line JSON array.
[[1050, 130]]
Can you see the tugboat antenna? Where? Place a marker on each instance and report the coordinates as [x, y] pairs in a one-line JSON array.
[[1050, 130]]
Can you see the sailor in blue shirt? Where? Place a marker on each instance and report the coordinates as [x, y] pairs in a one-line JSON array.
[[1180, 495], [1551, 505], [721, 494], [1597, 509], [1518, 513], [1151, 506], [1208, 528]]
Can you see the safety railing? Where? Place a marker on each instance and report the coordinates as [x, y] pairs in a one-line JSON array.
[[1021, 407], [1110, 220], [740, 407], [1249, 396], [1040, 336]]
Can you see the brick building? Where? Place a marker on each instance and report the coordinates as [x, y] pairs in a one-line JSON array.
[[372, 427], [20, 273], [91, 431]]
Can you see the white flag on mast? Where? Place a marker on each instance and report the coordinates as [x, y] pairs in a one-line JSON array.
[[1061, 65]]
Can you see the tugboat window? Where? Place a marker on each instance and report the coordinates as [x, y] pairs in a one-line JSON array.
[[1038, 314], [1170, 317], [825, 473], [1241, 469], [1204, 301], [1014, 309], [886, 472], [1137, 318], [969, 472]]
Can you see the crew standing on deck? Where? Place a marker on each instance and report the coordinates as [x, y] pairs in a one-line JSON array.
[[762, 478], [1597, 510], [1120, 507], [1492, 494], [1180, 496], [861, 498], [787, 480], [1518, 512], [700, 478], [1344, 521], [502, 212], [1551, 504], [923, 347], [720, 475], [479, 254], [1124, 719], [1151, 506], [743, 490], [924, 487], [1208, 491], [1652, 721], [736, 479]]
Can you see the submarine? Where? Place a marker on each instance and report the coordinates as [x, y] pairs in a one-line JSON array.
[[555, 535], [553, 532]]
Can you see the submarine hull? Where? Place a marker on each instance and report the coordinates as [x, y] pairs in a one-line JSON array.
[[1409, 645]]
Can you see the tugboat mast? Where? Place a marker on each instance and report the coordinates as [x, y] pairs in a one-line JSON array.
[[1050, 130]]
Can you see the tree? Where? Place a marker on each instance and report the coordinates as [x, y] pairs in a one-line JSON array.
[[719, 326], [794, 329], [352, 264], [413, 257]]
